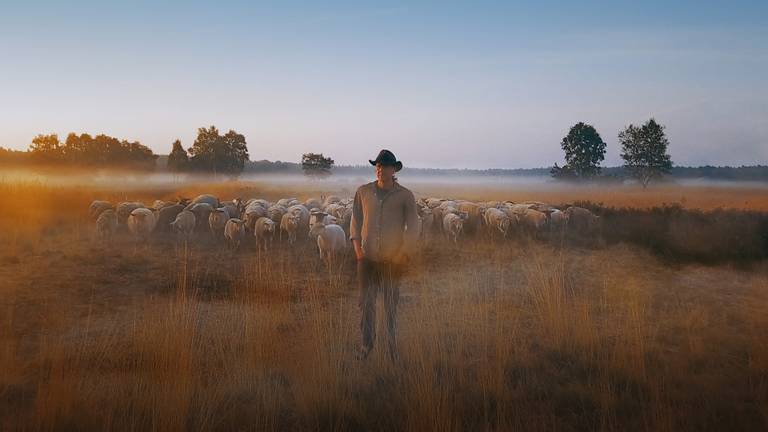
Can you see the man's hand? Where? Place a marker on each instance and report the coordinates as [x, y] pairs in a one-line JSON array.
[[358, 249]]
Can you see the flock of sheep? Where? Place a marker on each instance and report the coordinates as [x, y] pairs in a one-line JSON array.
[[326, 219]]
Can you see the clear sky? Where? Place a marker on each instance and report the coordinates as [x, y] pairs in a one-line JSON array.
[[474, 84]]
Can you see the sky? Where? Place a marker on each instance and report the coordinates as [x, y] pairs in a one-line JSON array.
[[474, 84]]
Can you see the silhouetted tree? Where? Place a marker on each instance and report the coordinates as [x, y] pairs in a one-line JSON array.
[[178, 160], [46, 148], [644, 150], [101, 150], [215, 153], [584, 150], [562, 172], [316, 165]]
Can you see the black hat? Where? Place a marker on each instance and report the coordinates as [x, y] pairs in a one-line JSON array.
[[386, 157]]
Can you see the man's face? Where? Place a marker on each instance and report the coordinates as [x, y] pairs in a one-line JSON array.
[[384, 173]]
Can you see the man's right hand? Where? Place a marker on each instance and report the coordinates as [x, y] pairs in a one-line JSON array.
[[358, 249]]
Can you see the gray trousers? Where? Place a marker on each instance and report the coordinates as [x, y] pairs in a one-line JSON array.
[[372, 277]]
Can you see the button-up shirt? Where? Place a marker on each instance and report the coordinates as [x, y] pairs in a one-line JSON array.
[[385, 221]]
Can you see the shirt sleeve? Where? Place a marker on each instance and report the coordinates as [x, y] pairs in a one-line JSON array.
[[356, 223], [411, 236]]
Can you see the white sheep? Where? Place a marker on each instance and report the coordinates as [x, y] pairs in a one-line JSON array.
[[106, 225], [331, 241], [264, 231], [141, 223], [184, 224], [234, 232], [290, 225]]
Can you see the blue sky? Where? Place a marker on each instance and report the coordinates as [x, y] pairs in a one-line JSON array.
[[460, 84]]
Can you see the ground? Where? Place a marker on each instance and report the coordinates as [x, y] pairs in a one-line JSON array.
[[522, 334]]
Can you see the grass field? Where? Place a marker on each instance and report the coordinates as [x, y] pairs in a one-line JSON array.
[[517, 335]]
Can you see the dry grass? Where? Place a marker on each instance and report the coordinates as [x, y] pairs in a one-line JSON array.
[[703, 197], [494, 336]]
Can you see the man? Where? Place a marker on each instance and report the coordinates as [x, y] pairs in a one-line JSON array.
[[384, 232]]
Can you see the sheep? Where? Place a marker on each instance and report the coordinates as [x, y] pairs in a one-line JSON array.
[[166, 215], [452, 226], [290, 225], [258, 201], [234, 232], [317, 216], [331, 241], [231, 209], [254, 210], [276, 213], [234, 207], [331, 199], [497, 222], [518, 208], [106, 225], [97, 207], [206, 199], [447, 203], [558, 220], [474, 216], [264, 232], [217, 220], [335, 210], [184, 224], [434, 202], [582, 219], [303, 213], [124, 210], [141, 223], [202, 211], [346, 220], [534, 220], [437, 213], [159, 204], [285, 202], [313, 203], [427, 222]]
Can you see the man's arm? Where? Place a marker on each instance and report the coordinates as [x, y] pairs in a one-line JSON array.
[[355, 225], [411, 236]]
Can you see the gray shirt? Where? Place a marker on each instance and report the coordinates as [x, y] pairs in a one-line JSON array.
[[385, 221]]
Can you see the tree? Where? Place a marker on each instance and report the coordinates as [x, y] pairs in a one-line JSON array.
[[46, 148], [316, 165], [562, 172], [644, 150], [85, 150], [584, 150], [218, 154], [178, 160]]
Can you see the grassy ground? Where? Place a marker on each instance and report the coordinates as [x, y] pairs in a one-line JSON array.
[[527, 335]]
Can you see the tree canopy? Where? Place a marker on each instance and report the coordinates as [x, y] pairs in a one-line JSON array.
[[216, 153], [101, 151], [178, 160], [644, 151], [584, 150], [316, 165]]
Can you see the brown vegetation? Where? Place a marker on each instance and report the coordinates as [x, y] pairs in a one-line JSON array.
[[524, 335]]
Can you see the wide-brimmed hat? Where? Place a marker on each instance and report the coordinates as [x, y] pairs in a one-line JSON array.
[[386, 157]]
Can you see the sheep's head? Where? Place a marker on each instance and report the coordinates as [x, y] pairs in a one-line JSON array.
[[269, 226], [316, 229]]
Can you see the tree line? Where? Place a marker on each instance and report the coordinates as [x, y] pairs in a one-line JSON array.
[[87, 150], [644, 153], [643, 150]]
